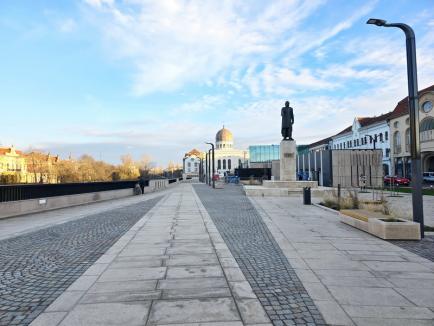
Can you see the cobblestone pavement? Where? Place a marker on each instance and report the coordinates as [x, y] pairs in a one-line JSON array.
[[37, 267], [259, 256], [423, 248]]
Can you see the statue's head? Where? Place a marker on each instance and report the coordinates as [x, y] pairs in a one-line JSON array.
[[287, 103]]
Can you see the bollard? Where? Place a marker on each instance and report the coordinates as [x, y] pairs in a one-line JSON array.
[[306, 196]]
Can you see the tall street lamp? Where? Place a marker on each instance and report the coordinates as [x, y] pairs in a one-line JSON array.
[[213, 168], [209, 167], [206, 167], [373, 139], [413, 103]]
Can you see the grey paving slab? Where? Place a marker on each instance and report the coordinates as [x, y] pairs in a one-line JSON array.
[[133, 274], [194, 310], [124, 296], [193, 283], [422, 297], [368, 296], [124, 313], [333, 313], [119, 286], [389, 312], [197, 293], [194, 271], [66, 301], [193, 260], [392, 322], [251, 311], [49, 319]]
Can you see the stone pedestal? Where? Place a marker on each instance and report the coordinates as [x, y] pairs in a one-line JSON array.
[[288, 152]]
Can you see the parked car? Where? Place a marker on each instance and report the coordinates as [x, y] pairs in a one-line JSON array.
[[398, 181], [428, 176]]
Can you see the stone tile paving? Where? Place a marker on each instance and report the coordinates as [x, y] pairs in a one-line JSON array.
[[353, 277], [35, 268], [171, 268], [423, 248], [260, 258]]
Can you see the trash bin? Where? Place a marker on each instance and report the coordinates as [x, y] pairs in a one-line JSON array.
[[306, 196]]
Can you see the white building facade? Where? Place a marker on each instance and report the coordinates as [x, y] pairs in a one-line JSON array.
[[367, 133], [226, 157], [191, 163]]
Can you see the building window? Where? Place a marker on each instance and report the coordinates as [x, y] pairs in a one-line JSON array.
[[357, 142], [381, 137], [224, 164], [219, 164], [386, 135], [427, 124], [407, 140], [229, 164], [189, 164], [397, 142]]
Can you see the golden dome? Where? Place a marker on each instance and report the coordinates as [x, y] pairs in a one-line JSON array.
[[224, 135]]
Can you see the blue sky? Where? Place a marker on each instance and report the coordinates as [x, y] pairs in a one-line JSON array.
[[110, 77]]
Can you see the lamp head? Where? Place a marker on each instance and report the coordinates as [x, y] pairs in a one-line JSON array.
[[376, 21]]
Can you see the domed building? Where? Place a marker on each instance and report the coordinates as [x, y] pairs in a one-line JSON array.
[[226, 157]]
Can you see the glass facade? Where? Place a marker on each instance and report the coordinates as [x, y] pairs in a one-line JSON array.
[[264, 153]]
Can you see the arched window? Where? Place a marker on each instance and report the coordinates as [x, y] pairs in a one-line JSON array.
[[397, 142], [224, 164], [219, 164], [229, 164], [407, 140], [427, 124], [426, 129]]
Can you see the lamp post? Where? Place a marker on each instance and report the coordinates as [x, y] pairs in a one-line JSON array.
[[206, 167], [209, 167], [373, 139], [213, 167], [413, 104]]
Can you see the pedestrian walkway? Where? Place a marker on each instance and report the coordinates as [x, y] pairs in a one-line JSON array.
[[37, 267], [354, 278], [171, 268]]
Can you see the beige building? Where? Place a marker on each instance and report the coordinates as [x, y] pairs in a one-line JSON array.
[[400, 134], [13, 167]]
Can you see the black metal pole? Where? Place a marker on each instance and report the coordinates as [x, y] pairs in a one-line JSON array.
[[209, 167], [213, 167], [206, 168]]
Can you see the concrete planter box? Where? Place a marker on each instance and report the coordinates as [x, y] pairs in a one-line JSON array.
[[382, 226]]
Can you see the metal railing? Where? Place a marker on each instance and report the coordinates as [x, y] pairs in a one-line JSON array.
[[33, 191]]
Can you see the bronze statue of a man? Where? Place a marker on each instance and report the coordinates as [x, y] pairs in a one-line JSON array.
[[287, 121]]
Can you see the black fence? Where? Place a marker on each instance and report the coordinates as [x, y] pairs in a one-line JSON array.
[[172, 181], [246, 174], [32, 191]]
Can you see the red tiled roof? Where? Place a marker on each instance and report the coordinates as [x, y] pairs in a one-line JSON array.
[[402, 106]]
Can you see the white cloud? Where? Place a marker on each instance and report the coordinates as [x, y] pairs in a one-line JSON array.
[[68, 25]]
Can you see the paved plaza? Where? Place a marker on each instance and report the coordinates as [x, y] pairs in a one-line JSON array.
[[196, 256]]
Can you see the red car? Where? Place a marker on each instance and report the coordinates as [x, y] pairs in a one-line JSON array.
[[398, 181]]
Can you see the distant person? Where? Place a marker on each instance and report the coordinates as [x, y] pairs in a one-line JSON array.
[[142, 184]]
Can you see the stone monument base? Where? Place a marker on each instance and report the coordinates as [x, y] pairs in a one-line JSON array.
[[282, 188]]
